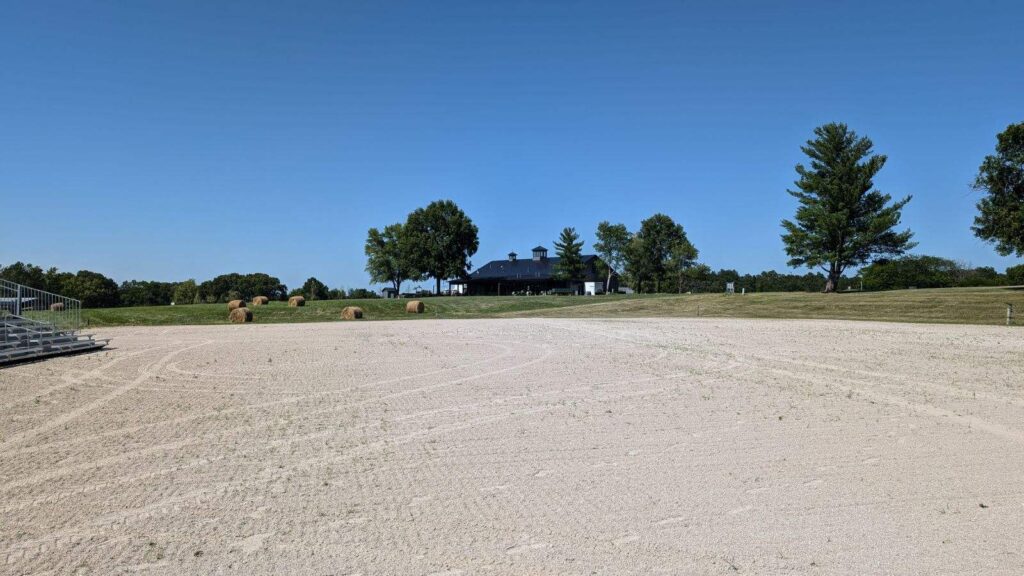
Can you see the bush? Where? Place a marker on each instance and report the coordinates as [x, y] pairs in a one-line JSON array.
[[25, 274], [928, 272], [314, 289], [983, 276], [143, 293], [94, 290], [911, 272], [1015, 275], [701, 279], [244, 286], [186, 292]]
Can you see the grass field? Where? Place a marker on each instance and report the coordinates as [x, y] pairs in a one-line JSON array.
[[948, 305]]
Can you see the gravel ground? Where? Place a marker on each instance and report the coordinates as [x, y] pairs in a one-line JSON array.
[[700, 446]]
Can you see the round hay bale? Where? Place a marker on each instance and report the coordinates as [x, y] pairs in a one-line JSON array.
[[236, 304], [57, 307], [351, 313], [260, 300], [240, 315], [296, 301], [414, 307]]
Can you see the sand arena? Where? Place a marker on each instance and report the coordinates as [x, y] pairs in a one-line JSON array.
[[701, 446]]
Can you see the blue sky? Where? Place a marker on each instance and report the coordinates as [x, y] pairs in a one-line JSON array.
[[188, 139]]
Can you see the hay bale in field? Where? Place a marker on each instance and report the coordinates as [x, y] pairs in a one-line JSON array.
[[57, 307], [296, 301], [236, 304], [414, 307], [260, 300], [351, 313], [240, 315]]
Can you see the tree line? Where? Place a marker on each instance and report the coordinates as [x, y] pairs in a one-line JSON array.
[[98, 291], [919, 271], [842, 223], [437, 242], [655, 258], [659, 258], [910, 271]]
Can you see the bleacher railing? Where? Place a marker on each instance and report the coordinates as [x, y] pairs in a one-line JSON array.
[[17, 300]]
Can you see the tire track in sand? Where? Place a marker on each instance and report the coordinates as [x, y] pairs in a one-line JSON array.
[[146, 374], [58, 472], [71, 379], [868, 390], [157, 507], [506, 351], [198, 439], [220, 489], [863, 387], [177, 444], [128, 455]]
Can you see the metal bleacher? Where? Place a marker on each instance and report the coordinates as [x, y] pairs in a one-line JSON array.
[[36, 324]]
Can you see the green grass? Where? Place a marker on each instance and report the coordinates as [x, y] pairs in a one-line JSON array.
[[329, 310], [948, 305]]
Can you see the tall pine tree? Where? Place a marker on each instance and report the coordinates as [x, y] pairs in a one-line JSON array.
[[569, 248], [1000, 216], [842, 221]]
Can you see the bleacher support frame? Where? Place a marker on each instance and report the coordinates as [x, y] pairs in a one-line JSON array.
[[37, 324]]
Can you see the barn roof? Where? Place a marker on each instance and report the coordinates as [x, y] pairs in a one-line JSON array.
[[531, 269]]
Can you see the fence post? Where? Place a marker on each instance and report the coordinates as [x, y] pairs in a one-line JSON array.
[[1009, 314], [17, 302]]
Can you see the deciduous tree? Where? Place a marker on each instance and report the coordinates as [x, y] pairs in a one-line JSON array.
[[911, 272], [682, 257], [221, 288], [314, 289], [441, 239], [389, 257], [1015, 275], [652, 250], [146, 293], [186, 292], [612, 243], [26, 275], [94, 289]]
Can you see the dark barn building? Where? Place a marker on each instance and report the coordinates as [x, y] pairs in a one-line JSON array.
[[534, 276]]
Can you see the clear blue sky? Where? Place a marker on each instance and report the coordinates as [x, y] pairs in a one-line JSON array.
[[187, 139]]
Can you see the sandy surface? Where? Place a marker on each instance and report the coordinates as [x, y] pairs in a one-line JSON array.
[[520, 447]]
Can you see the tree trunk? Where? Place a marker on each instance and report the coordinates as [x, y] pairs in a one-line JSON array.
[[608, 281], [832, 284], [438, 280]]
